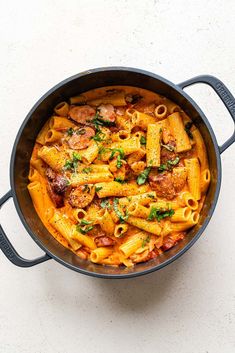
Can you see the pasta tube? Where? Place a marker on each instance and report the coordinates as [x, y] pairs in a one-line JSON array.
[[91, 178], [65, 227], [179, 133], [181, 215], [194, 181], [114, 188], [100, 254], [151, 227], [106, 222], [62, 109], [153, 146], [55, 159]]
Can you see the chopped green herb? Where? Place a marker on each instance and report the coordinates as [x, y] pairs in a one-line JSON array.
[[105, 204], [159, 214], [162, 168], [84, 222], [81, 132], [174, 161], [119, 150], [118, 213], [142, 177], [145, 241], [72, 164], [187, 128], [143, 140], [76, 156], [119, 180], [84, 229], [98, 188], [168, 165], [87, 170], [70, 131], [99, 136], [99, 121], [119, 161]]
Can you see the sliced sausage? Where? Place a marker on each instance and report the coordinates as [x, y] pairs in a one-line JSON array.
[[81, 138], [147, 108], [57, 181], [162, 183], [81, 196], [82, 114], [104, 241], [56, 199], [106, 111], [168, 243]]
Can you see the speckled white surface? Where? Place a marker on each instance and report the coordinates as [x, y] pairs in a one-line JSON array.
[[188, 307]]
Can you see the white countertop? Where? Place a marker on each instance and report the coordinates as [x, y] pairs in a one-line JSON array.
[[187, 307]]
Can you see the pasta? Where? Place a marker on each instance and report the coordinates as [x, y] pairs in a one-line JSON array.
[[119, 175]]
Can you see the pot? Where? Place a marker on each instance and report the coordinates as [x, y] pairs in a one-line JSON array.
[[22, 149]]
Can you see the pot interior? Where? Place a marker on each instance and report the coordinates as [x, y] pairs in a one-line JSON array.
[[40, 113]]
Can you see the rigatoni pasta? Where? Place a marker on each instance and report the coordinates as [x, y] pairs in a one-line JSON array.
[[118, 175]]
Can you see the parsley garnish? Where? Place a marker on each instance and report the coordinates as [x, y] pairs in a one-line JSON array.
[[168, 165], [105, 204], [98, 188], [81, 131], [145, 241], [84, 229], [120, 156], [85, 222], [119, 150], [70, 131], [72, 164], [142, 177], [99, 121], [143, 140], [118, 213], [87, 170], [84, 226], [159, 214], [98, 136], [119, 180], [187, 128]]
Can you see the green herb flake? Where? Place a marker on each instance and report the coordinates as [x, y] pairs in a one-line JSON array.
[[142, 177], [84, 230], [98, 188], [145, 241], [118, 150], [105, 204], [122, 218], [86, 188], [70, 131], [159, 214], [72, 164], [143, 140], [84, 222], [81, 131], [87, 170], [119, 180], [174, 162]]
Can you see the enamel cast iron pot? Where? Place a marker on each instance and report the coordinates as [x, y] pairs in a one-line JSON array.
[[19, 166]]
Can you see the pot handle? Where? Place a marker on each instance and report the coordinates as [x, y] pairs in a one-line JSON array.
[[8, 249], [224, 94]]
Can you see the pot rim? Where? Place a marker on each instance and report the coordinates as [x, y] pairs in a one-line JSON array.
[[210, 212]]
